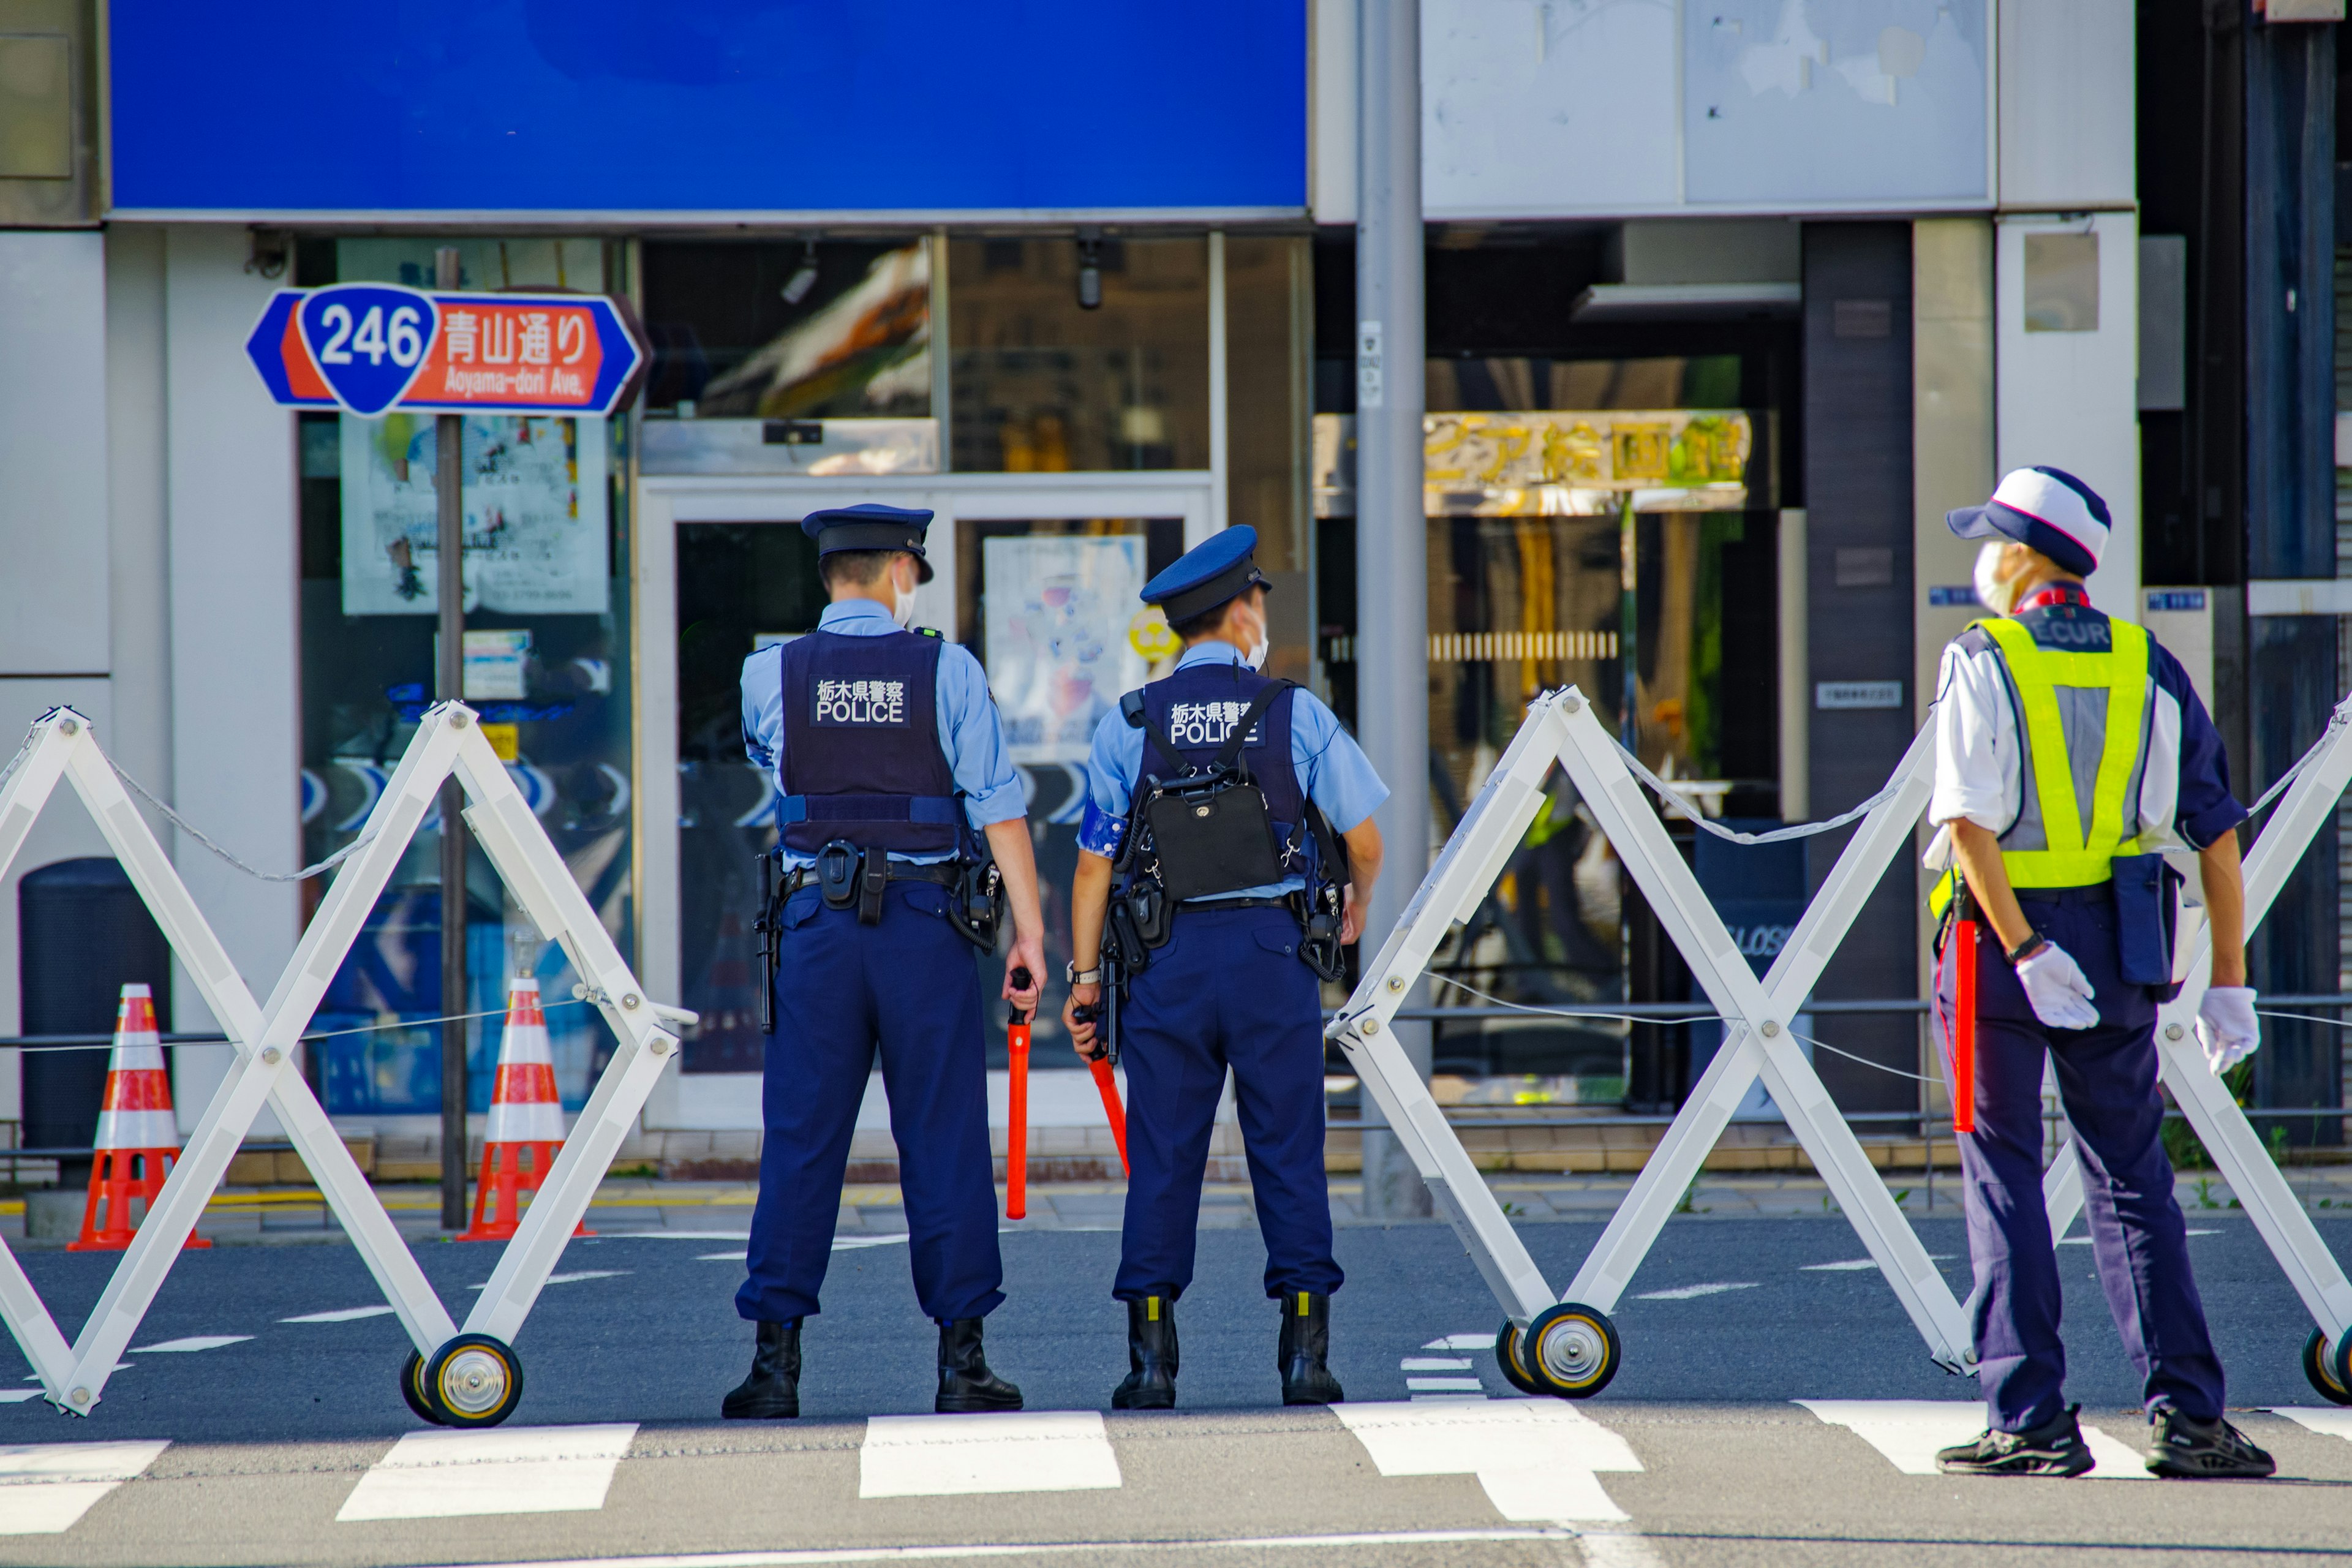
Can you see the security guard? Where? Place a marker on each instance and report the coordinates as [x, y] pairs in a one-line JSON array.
[[884, 745], [2070, 749], [1223, 985]]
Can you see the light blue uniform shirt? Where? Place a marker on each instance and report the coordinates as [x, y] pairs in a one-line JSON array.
[[1332, 770], [970, 731]]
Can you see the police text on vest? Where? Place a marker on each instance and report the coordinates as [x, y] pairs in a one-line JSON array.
[[861, 702]]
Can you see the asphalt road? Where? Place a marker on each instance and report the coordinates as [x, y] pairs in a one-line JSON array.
[[283, 1447]]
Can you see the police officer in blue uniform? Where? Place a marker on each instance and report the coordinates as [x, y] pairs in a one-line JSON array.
[[887, 751], [1216, 974]]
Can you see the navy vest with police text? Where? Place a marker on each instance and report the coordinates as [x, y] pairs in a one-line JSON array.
[[1197, 708], [862, 758]]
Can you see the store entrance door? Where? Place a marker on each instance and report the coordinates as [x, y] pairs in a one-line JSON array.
[[1039, 581]]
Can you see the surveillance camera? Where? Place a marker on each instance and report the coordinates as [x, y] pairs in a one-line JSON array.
[[1089, 269]]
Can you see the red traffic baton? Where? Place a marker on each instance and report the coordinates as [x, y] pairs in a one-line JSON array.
[[1964, 1026], [1016, 1131], [1108, 1086]]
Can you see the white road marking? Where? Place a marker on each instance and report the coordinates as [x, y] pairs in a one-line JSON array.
[[1856, 1265], [818, 1556], [1692, 1292], [1616, 1549], [1011, 1451], [18, 1396], [1462, 1343], [840, 1243], [1909, 1431], [340, 1315], [192, 1342], [2085, 1241], [1536, 1457], [1445, 1385], [675, 1236], [118, 1366], [45, 1488], [1434, 1363], [504, 1469], [574, 1277], [2327, 1420]]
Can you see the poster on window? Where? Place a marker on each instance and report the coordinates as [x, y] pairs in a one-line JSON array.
[[1057, 646], [537, 518]]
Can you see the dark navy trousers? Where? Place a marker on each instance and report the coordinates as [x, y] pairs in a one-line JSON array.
[[2106, 1083], [1228, 990], [910, 986]]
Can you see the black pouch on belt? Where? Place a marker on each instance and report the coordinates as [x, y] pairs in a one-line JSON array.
[[2146, 891], [873, 878], [836, 874]]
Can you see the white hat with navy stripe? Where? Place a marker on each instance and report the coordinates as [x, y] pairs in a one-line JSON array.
[[2047, 509]]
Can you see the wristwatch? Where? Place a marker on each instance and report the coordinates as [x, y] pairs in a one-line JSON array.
[[1072, 973], [2026, 949]]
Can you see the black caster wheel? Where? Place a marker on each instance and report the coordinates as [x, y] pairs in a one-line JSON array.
[[1506, 1352], [2326, 1371], [412, 1391], [473, 1381], [1572, 1351]]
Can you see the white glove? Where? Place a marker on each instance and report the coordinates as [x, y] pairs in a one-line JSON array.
[[2226, 1027], [2055, 983]]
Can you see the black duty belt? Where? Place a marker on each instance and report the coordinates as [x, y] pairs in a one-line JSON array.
[[945, 874], [1191, 905], [2100, 894]]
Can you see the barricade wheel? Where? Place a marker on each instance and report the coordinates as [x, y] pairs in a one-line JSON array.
[[474, 1381], [1506, 1352], [2329, 1368], [1572, 1351], [412, 1391]]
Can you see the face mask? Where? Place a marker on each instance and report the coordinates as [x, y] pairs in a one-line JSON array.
[[1254, 656], [1992, 593], [902, 605]]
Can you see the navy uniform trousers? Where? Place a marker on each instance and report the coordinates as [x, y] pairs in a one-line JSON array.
[[909, 983], [1227, 989], [2106, 1082]]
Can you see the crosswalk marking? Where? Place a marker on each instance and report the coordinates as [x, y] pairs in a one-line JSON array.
[[18, 1396], [1692, 1292], [1011, 1451], [1434, 1363], [1536, 1458], [840, 1243], [1856, 1265], [505, 1469], [192, 1342], [341, 1315], [45, 1488], [1909, 1431], [1444, 1385], [2328, 1421], [574, 1277], [1477, 1342]]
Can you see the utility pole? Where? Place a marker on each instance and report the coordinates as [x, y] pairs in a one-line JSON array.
[[449, 684], [1392, 529]]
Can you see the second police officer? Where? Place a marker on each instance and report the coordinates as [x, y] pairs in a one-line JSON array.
[[1211, 929], [889, 754]]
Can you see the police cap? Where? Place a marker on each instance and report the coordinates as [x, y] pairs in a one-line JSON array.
[[870, 525], [1208, 575]]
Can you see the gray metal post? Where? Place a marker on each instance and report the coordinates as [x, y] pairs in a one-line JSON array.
[[1391, 531], [449, 681]]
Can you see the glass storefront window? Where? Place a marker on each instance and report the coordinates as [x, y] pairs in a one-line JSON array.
[[547, 661], [789, 330], [1043, 384], [1269, 307]]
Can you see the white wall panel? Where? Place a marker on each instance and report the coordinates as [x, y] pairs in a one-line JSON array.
[[53, 518], [2067, 104], [236, 744], [1331, 147], [138, 536], [2070, 400]]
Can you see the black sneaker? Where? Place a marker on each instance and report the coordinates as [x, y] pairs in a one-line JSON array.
[[2053, 1448], [2203, 1450]]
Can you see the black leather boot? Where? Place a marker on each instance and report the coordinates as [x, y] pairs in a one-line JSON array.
[[772, 1392], [1151, 1381], [965, 1382], [1300, 1353]]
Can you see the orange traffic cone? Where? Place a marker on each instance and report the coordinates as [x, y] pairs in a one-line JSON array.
[[137, 1136], [526, 1126]]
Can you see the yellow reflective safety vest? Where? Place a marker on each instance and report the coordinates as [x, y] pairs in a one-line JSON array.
[[2086, 723]]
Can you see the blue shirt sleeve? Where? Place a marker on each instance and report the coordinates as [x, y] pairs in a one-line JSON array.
[[1331, 767], [973, 737], [2206, 808], [763, 708], [1111, 770]]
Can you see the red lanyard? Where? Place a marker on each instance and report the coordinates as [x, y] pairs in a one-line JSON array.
[[2051, 594]]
